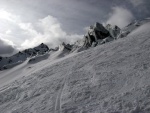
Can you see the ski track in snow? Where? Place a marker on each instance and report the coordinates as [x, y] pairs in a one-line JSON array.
[[58, 99], [111, 78]]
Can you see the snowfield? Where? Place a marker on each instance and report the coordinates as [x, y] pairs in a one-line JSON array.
[[110, 78]]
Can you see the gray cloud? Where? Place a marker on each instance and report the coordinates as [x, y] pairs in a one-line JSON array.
[[137, 2], [74, 15], [6, 47]]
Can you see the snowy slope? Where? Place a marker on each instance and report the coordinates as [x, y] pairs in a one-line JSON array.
[[110, 78]]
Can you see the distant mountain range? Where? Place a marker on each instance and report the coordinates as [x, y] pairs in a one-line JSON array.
[[21, 56]]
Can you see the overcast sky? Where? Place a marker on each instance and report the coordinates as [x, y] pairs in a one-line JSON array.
[[27, 23]]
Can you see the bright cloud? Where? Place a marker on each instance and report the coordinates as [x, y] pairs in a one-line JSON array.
[[120, 16], [52, 33], [47, 30], [6, 47], [8, 32], [8, 16]]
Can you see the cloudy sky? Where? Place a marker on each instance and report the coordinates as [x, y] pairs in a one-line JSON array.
[[27, 23]]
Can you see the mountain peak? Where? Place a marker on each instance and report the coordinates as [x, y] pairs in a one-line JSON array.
[[21, 56]]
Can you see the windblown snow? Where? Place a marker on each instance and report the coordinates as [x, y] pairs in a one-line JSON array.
[[110, 78]]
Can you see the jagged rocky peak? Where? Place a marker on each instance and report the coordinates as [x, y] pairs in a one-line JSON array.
[[40, 49], [98, 34], [42, 45]]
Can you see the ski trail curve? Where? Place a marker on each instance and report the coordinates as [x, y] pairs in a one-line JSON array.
[[58, 98]]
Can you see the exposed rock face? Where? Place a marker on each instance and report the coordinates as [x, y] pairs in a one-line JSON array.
[[21, 56], [114, 31], [41, 49], [67, 46], [95, 33]]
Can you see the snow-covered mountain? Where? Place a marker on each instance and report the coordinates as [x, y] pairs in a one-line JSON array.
[[20, 57], [109, 78]]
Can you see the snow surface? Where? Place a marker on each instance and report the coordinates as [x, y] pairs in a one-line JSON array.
[[110, 78]]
